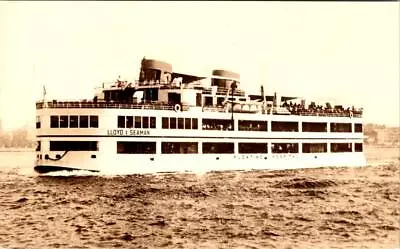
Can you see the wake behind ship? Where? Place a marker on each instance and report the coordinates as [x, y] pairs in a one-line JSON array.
[[173, 122]]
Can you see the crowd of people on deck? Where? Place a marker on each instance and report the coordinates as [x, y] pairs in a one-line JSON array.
[[313, 109], [221, 127], [217, 124]]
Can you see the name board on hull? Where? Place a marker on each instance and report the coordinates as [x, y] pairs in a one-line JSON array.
[[127, 132]]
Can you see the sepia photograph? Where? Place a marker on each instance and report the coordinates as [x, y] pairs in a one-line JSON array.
[[213, 124]]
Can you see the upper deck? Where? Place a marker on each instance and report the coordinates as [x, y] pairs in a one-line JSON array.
[[160, 88]]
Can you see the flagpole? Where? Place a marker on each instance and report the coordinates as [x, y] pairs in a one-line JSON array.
[[44, 96]]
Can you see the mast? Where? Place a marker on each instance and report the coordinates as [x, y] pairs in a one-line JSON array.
[[233, 87], [263, 99], [44, 96]]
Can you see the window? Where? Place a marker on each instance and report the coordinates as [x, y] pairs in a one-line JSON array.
[[54, 122], [138, 122], [179, 148], [165, 123], [129, 122], [37, 122], [73, 121], [38, 146], [153, 122], [253, 148], [217, 124], [94, 122], [314, 127], [340, 127], [172, 123], [220, 101], [194, 123], [63, 121], [358, 147], [188, 123], [208, 101], [198, 99], [180, 123], [249, 125], [284, 126], [358, 128], [136, 147], [73, 146], [218, 148], [340, 147], [314, 147], [285, 148], [121, 121], [83, 121], [145, 123]]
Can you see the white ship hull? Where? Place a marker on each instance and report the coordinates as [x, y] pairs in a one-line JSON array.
[[143, 164]]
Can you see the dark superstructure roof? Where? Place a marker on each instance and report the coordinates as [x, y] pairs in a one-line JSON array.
[[225, 73], [155, 64]]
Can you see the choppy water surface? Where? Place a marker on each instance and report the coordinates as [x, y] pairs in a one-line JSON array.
[[313, 208]]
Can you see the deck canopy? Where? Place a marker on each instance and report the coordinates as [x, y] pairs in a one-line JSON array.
[[270, 97], [187, 78]]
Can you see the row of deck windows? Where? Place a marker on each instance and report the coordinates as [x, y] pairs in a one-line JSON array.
[[179, 123], [74, 146], [136, 122], [228, 148], [277, 126], [314, 127], [208, 147], [284, 126], [217, 124], [85, 121], [252, 125], [74, 121], [340, 127]]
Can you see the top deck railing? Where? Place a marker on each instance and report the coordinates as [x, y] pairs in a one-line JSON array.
[[302, 112], [163, 106], [356, 114], [103, 104]]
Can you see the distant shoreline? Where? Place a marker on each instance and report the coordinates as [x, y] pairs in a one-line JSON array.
[[381, 146]]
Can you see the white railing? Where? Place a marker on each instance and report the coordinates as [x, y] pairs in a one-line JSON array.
[[163, 106], [101, 104]]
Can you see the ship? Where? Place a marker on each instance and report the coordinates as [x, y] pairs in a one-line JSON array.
[[168, 121]]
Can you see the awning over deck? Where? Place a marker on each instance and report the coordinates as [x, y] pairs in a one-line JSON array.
[[187, 78], [270, 97]]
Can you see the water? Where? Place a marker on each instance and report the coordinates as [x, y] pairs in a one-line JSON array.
[[312, 208]]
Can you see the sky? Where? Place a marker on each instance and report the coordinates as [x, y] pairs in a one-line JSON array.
[[339, 52]]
